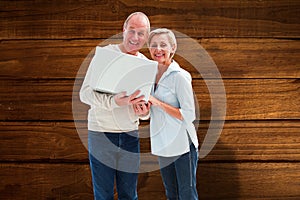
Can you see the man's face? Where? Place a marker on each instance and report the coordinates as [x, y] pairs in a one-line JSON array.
[[135, 34]]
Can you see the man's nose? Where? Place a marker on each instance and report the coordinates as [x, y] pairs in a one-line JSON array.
[[135, 36]]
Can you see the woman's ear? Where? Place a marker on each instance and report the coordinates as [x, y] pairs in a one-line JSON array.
[[171, 54], [173, 49]]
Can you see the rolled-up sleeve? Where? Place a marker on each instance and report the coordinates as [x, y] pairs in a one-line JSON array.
[[185, 96]]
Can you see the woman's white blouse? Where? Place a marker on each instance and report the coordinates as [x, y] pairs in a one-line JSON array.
[[169, 135]]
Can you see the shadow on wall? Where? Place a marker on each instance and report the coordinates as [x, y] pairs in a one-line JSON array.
[[217, 175]]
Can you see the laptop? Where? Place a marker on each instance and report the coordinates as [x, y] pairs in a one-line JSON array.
[[114, 72]]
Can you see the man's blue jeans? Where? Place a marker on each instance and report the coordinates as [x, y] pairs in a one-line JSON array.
[[179, 177], [114, 156]]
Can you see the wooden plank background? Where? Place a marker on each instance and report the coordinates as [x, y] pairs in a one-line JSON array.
[[255, 45]]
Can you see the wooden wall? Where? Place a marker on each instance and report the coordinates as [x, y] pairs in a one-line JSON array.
[[255, 45]]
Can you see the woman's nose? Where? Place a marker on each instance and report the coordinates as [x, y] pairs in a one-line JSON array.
[[158, 48]]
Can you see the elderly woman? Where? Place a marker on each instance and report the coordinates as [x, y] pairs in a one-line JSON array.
[[173, 135]]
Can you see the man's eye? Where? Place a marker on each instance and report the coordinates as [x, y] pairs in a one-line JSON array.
[[131, 31]]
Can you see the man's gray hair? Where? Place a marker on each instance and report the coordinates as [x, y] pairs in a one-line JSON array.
[[137, 13]]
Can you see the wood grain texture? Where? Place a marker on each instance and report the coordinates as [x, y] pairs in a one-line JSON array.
[[45, 181], [251, 99], [214, 181], [249, 181], [246, 99], [46, 46], [101, 19], [65, 142], [42, 142], [234, 58]]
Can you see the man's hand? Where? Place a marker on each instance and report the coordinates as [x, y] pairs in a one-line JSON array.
[[122, 100]]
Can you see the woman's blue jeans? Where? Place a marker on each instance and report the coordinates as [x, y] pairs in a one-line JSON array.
[[114, 156], [179, 177]]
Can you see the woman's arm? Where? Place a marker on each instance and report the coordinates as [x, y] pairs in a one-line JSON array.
[[185, 97], [173, 111]]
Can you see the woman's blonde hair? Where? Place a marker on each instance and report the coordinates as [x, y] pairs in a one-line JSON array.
[[168, 32]]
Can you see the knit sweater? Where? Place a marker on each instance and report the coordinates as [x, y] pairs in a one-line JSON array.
[[104, 114]]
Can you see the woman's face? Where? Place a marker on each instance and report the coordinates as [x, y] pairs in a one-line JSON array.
[[161, 49]]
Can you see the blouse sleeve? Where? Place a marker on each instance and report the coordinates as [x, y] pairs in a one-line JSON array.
[[185, 97]]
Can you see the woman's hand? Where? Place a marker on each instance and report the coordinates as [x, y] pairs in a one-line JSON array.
[[141, 108], [154, 101]]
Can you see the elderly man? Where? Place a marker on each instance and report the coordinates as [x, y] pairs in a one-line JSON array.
[[113, 124]]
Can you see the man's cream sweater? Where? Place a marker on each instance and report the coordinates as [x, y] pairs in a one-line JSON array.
[[104, 114]]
